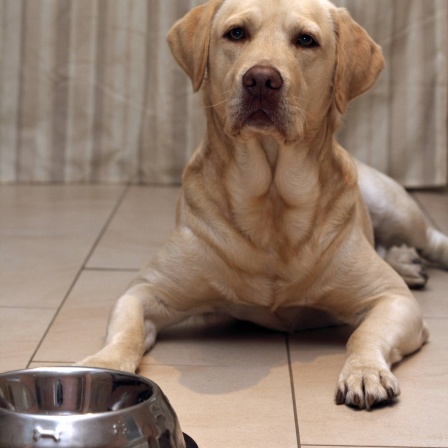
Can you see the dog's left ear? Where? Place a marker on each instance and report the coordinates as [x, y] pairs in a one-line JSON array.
[[189, 41], [359, 59]]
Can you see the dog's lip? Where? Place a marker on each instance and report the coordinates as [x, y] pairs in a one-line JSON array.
[[259, 119]]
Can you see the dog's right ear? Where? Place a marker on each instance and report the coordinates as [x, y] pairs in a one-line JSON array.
[[189, 40]]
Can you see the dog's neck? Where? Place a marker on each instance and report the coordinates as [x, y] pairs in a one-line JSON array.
[[268, 190], [271, 150], [254, 152]]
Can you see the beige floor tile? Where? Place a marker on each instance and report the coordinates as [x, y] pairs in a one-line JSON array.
[[36, 364], [433, 299], [20, 333], [435, 203], [46, 233], [142, 224], [419, 418], [222, 342], [79, 329], [230, 406]]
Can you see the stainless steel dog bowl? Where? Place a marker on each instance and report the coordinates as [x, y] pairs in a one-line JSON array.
[[76, 407]]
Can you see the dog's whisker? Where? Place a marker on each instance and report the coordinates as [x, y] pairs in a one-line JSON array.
[[303, 112], [216, 104], [302, 100]]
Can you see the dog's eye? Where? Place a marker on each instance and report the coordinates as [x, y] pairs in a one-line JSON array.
[[305, 40], [236, 34]]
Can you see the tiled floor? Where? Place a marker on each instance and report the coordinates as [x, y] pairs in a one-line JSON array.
[[66, 252]]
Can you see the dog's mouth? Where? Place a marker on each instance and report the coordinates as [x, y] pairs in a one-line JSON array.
[[260, 119]]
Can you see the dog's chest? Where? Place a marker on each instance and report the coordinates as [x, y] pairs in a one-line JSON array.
[[269, 223], [273, 198]]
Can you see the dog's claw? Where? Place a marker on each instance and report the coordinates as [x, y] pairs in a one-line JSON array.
[[340, 396], [370, 401], [390, 393], [364, 388]]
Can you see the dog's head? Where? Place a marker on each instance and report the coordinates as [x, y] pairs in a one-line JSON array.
[[275, 67]]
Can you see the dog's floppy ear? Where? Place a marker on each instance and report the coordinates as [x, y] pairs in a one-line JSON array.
[[189, 41], [359, 59]]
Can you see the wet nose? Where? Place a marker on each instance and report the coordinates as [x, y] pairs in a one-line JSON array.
[[261, 80]]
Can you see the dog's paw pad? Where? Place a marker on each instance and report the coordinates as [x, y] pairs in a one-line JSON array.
[[406, 261], [364, 387]]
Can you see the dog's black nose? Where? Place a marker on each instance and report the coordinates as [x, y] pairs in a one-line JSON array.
[[261, 80]]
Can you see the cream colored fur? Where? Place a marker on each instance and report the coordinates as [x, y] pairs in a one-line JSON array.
[[271, 219]]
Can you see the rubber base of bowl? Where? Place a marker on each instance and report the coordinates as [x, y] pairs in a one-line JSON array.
[[190, 443]]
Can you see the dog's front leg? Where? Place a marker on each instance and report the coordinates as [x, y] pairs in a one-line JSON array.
[[170, 289], [133, 325], [391, 329]]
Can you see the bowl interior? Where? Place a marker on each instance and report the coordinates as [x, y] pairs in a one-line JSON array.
[[70, 391]]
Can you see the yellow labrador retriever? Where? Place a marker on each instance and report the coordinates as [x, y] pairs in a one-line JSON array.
[[271, 219]]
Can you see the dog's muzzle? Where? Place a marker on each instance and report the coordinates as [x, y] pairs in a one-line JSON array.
[[262, 91]]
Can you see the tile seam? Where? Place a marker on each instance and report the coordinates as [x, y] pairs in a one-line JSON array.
[[80, 271], [293, 392]]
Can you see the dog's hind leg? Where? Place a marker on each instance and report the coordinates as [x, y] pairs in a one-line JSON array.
[[407, 262], [397, 220], [436, 247]]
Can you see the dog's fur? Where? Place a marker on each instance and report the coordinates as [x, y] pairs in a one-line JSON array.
[[272, 216]]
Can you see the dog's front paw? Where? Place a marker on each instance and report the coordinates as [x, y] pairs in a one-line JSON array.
[[364, 387]]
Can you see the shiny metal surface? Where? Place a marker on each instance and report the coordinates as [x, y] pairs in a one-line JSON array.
[[71, 407]]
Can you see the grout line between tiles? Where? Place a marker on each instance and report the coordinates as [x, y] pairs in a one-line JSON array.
[[24, 307], [106, 225], [201, 366], [81, 269], [293, 392], [96, 269]]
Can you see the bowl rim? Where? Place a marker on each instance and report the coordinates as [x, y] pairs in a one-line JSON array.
[[157, 392]]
